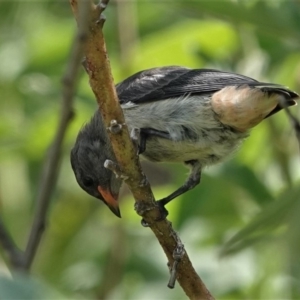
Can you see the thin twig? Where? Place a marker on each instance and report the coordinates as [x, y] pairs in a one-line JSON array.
[[114, 263], [15, 256], [296, 124], [52, 164], [98, 68], [294, 121], [279, 152]]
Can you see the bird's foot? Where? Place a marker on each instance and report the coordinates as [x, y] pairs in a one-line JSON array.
[[141, 208], [139, 137]]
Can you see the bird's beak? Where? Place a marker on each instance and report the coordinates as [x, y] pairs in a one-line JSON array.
[[110, 200]]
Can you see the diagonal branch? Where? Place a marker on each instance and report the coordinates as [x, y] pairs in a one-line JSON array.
[[101, 81], [294, 121], [15, 256], [22, 260], [52, 162]]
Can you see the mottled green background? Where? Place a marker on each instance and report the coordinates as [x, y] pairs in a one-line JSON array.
[[87, 253]]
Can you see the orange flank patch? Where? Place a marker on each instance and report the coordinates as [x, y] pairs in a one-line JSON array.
[[244, 107]]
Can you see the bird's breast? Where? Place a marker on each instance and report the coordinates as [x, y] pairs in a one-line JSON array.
[[195, 133]]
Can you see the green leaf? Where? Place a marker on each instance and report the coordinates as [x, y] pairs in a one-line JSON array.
[[243, 176], [280, 20], [181, 44], [273, 216]]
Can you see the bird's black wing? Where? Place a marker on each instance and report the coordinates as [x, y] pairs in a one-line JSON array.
[[167, 82]]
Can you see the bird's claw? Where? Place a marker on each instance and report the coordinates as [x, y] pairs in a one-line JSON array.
[[141, 208]]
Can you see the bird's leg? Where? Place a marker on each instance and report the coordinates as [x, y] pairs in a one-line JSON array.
[[146, 133], [191, 182], [142, 134]]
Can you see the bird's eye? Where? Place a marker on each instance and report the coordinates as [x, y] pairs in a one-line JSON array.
[[87, 181]]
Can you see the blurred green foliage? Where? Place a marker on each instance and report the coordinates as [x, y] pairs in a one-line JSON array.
[[246, 209]]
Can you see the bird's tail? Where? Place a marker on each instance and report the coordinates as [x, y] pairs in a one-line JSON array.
[[289, 97]]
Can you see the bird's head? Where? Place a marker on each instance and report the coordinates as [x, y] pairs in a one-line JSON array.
[[88, 155]]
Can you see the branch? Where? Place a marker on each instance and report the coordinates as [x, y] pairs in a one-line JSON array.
[[23, 260], [101, 81], [294, 121], [15, 256], [52, 164]]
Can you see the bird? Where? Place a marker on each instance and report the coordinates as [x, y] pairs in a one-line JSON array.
[[198, 117]]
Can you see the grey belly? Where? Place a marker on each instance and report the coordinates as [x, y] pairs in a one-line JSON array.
[[206, 152]]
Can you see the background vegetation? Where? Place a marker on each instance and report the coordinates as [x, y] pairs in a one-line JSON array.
[[87, 253]]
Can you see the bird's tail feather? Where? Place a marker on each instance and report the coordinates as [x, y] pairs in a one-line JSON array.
[[289, 95], [275, 88]]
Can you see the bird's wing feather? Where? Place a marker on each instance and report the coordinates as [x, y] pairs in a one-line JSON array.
[[168, 82]]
